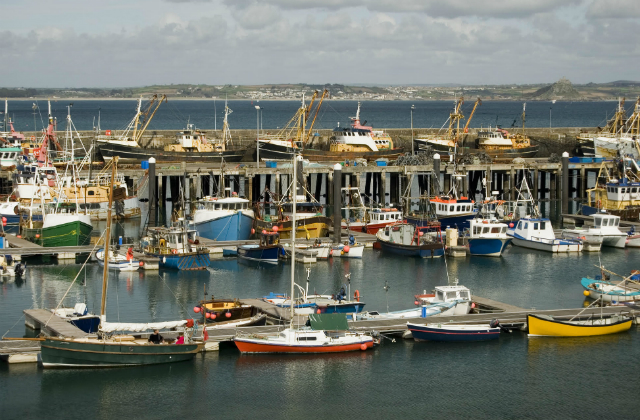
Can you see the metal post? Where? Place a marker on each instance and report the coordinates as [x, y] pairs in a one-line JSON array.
[[436, 172], [412, 147], [257, 136], [152, 191], [565, 183], [337, 203]]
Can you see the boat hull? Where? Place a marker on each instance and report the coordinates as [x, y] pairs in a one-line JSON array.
[[138, 154], [88, 324], [346, 308], [256, 346], [459, 221], [68, 353], [560, 246], [74, 233], [426, 333], [553, 328], [609, 292], [488, 247], [186, 261], [307, 228], [263, 254], [234, 227], [354, 252], [423, 251], [328, 156], [523, 152]]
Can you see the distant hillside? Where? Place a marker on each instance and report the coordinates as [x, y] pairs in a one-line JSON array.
[[562, 89]]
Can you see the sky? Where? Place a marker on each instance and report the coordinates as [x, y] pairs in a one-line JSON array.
[[120, 43]]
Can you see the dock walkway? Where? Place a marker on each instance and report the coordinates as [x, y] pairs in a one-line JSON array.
[[50, 324]]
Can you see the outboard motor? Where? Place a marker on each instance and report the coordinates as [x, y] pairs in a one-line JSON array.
[[19, 270]]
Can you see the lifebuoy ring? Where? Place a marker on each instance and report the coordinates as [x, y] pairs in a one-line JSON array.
[[174, 251], [356, 295]]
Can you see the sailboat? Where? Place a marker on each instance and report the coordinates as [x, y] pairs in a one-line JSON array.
[[326, 333], [109, 350]]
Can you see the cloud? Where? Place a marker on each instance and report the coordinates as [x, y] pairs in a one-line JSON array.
[[614, 9], [434, 8]]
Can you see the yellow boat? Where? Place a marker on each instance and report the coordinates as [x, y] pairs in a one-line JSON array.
[[544, 325]]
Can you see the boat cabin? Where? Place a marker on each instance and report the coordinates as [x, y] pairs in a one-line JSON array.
[[534, 229], [162, 240], [447, 206], [378, 216], [223, 204], [269, 238], [606, 222], [487, 229], [623, 191], [451, 293], [408, 234]]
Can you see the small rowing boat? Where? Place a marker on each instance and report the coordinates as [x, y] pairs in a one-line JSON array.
[[545, 325], [453, 332]]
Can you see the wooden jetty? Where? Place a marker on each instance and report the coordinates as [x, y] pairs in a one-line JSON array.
[[51, 324]]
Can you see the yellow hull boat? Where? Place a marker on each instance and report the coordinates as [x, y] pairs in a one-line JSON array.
[[543, 325]]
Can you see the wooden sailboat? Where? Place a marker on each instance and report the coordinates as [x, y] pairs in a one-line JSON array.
[[328, 333], [109, 350]]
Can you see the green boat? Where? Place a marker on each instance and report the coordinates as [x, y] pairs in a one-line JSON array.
[[63, 225], [96, 352]]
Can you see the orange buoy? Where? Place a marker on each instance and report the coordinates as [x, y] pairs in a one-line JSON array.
[[363, 346]]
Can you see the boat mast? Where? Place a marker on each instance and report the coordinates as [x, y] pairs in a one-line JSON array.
[[107, 239], [293, 234]]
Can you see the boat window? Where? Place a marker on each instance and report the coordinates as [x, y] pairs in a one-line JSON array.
[[526, 225], [464, 294], [91, 192], [458, 208], [543, 225], [485, 230], [503, 230], [307, 338], [439, 296], [387, 217], [218, 206], [616, 222], [605, 222], [451, 295], [634, 190], [495, 230], [519, 225], [535, 226], [597, 222], [451, 208]]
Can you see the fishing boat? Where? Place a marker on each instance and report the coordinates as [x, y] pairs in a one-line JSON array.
[[446, 143], [537, 233], [176, 247], [424, 311], [413, 241], [545, 325], [107, 349], [616, 193], [326, 333], [499, 143], [355, 142], [453, 332], [358, 218], [191, 144], [266, 251], [118, 261], [452, 293], [223, 219], [62, 225], [487, 237], [606, 230]]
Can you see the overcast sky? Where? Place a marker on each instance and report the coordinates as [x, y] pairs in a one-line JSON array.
[[88, 43]]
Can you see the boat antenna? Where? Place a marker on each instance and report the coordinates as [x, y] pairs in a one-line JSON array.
[[293, 235], [386, 292], [107, 239]]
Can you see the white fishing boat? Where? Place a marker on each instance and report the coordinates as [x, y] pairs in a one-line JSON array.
[[537, 233], [606, 231], [349, 250], [118, 261], [487, 237]]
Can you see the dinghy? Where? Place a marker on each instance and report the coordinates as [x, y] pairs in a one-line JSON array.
[[545, 325]]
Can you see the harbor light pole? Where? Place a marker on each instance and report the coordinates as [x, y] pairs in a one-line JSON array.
[[258, 136], [412, 108]]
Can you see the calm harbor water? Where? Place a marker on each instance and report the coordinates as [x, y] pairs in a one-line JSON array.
[[514, 377], [208, 114]]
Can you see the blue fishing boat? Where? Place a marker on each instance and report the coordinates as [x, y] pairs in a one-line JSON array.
[[452, 332], [265, 252], [176, 247], [487, 237], [412, 241], [224, 219], [537, 233]]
